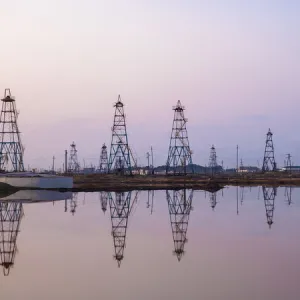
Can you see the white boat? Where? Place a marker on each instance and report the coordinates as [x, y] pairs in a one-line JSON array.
[[35, 181]]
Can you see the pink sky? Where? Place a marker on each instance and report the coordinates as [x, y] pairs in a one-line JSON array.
[[235, 67]]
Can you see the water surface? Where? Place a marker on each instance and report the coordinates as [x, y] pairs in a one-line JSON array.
[[239, 243]]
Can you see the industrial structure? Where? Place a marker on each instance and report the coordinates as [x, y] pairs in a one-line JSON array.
[[73, 160], [180, 206], [11, 148], [288, 163], [103, 164], [120, 156], [213, 160], [11, 214], [269, 163], [269, 199], [180, 154]]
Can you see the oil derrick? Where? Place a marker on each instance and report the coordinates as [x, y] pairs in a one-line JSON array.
[[11, 214], [213, 165], [269, 163], [213, 200], [73, 160], [11, 149], [180, 207], [269, 199], [103, 165], [119, 157], [103, 200], [180, 155], [119, 212], [288, 164]]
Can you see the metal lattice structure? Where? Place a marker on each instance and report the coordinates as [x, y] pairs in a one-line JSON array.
[[103, 200], [11, 214], [288, 164], [213, 200], [11, 148], [103, 165], [180, 154], [119, 157], [119, 213], [73, 160], [269, 163], [213, 165], [269, 199], [180, 207]]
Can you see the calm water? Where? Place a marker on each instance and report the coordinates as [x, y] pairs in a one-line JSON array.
[[236, 244]]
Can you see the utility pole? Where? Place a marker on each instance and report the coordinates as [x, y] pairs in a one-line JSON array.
[[53, 159], [66, 161], [237, 158], [148, 158], [152, 160]]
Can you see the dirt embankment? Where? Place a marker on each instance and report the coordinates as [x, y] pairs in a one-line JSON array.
[[111, 182]]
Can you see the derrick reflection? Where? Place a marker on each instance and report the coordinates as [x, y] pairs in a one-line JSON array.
[[213, 200], [11, 214], [269, 199], [103, 199], [288, 194], [180, 207], [120, 208]]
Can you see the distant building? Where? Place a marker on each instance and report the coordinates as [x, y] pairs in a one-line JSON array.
[[293, 169]]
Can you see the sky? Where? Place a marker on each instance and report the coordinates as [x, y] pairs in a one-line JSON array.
[[234, 65]]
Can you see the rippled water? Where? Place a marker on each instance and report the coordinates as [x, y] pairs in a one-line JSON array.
[[239, 243]]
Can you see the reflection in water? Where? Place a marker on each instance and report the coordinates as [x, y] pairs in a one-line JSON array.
[[269, 198], [179, 209], [103, 200], [213, 200], [73, 203], [120, 209], [150, 203], [288, 195], [11, 214]]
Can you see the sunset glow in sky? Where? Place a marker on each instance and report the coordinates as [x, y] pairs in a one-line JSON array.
[[235, 66]]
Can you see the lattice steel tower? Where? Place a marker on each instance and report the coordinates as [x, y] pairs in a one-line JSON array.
[[119, 212], [11, 214], [73, 160], [269, 199], [213, 160], [269, 163], [103, 165], [119, 157], [288, 164], [180, 154], [11, 149], [180, 207]]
